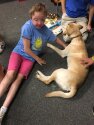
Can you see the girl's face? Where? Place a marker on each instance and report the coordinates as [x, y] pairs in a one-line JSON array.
[[38, 19]]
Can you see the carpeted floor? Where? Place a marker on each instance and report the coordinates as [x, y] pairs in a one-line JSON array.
[[30, 107]]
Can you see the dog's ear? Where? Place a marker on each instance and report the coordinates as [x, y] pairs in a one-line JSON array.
[[71, 25], [80, 26]]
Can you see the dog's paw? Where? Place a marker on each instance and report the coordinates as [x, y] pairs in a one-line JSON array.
[[48, 95], [39, 74], [49, 45]]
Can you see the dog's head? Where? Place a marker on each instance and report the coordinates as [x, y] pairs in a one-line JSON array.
[[72, 29]]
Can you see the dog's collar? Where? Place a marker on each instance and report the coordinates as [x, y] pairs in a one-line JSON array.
[[76, 36]]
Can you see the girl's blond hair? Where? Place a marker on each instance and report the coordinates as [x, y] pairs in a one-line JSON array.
[[39, 7]]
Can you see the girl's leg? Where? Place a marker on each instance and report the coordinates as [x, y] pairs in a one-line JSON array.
[[11, 93], [13, 66], [13, 89], [24, 70], [7, 80]]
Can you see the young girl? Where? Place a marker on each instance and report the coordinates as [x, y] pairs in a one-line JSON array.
[[33, 39]]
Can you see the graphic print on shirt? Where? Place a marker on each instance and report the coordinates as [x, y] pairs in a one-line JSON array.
[[37, 44]]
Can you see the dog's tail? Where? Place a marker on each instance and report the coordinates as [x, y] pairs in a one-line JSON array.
[[69, 94]]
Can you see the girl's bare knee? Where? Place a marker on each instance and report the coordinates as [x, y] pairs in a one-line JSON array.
[[11, 74]]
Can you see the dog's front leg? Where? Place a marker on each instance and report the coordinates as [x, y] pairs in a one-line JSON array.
[[62, 53]]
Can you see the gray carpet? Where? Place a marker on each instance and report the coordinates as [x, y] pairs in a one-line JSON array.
[[30, 107]]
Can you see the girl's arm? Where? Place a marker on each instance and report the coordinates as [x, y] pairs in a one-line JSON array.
[[28, 50]]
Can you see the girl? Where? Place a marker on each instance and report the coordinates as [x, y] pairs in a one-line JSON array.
[[33, 39]]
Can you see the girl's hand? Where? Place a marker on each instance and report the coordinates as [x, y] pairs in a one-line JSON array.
[[41, 61], [87, 62]]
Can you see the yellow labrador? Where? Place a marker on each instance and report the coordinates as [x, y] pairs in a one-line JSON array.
[[71, 78]]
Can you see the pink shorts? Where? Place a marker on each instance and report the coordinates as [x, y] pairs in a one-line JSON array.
[[20, 64]]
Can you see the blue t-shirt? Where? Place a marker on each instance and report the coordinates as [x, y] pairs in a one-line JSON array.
[[38, 39], [77, 8]]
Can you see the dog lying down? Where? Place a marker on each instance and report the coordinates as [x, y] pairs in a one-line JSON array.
[[73, 77]]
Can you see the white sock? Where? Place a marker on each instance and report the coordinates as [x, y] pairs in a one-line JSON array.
[[3, 109]]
